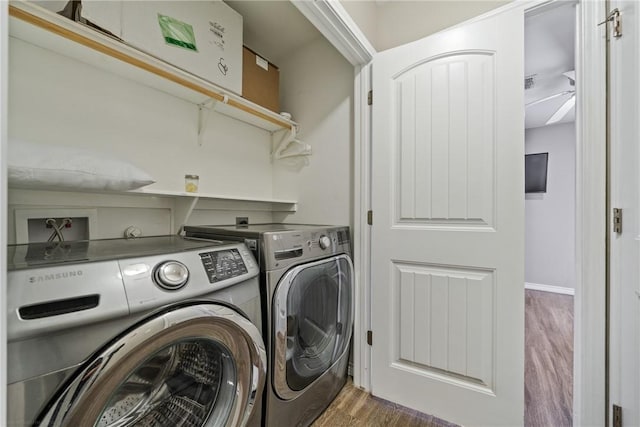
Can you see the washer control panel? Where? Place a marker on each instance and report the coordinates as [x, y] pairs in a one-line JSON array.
[[223, 264], [188, 274]]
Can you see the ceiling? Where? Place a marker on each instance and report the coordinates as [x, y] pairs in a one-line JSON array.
[[549, 52], [273, 29]]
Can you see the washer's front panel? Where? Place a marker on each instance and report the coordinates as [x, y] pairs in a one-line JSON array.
[[196, 364], [65, 312]]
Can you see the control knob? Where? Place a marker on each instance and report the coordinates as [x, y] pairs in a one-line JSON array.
[[324, 242], [171, 275]]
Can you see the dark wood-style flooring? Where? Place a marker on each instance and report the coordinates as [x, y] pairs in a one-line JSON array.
[[548, 359], [548, 377], [355, 408]]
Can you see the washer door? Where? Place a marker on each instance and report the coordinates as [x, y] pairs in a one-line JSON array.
[[313, 320], [194, 364]]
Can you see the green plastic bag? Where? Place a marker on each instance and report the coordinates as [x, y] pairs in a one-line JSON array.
[[177, 33]]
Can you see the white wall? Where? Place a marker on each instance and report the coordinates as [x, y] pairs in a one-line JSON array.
[[550, 216], [316, 84], [398, 22], [56, 100], [365, 15]]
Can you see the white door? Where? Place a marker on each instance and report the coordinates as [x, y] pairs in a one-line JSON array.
[[625, 194], [448, 223]]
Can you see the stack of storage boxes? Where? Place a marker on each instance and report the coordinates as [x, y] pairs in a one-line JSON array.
[[260, 80], [203, 38]]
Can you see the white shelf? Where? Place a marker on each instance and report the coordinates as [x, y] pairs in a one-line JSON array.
[[288, 205], [41, 27], [186, 203]]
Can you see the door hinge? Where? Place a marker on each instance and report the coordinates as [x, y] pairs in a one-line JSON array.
[[370, 337], [615, 18], [370, 98], [370, 217], [617, 416], [617, 220]]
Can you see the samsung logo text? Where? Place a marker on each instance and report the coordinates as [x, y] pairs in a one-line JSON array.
[[55, 276]]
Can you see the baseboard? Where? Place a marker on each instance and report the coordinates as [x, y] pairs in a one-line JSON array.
[[549, 288]]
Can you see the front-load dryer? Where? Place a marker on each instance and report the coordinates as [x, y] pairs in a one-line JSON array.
[[307, 286], [157, 331]]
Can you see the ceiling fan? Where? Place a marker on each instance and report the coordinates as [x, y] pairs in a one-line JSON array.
[[566, 107]]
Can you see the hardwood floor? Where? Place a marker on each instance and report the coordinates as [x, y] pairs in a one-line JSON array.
[[548, 359], [548, 376], [357, 408]]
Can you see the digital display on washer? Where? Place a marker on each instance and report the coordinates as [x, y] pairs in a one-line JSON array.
[[222, 265]]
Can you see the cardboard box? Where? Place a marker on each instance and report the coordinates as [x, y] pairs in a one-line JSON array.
[[260, 80], [203, 38]]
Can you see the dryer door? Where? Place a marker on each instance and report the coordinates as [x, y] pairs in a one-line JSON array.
[[194, 364], [313, 321]]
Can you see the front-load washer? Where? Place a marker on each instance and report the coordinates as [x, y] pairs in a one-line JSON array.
[[307, 287], [156, 331]]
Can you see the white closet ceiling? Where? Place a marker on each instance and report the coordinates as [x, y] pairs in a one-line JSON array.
[[549, 54], [274, 29]]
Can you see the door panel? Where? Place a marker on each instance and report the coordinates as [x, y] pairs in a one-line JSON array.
[[445, 329], [437, 183], [448, 235]]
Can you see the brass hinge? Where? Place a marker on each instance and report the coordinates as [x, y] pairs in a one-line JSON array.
[[614, 17], [370, 98], [617, 220], [370, 217], [617, 416], [370, 337]]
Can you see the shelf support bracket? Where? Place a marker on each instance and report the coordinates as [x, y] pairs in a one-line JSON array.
[[204, 111], [183, 208], [289, 138]]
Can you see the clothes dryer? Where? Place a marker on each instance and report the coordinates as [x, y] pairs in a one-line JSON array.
[[157, 331], [308, 297]]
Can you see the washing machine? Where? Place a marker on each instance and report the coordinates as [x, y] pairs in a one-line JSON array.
[[157, 331], [308, 297]]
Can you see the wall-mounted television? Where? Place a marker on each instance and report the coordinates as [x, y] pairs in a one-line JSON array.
[[535, 172]]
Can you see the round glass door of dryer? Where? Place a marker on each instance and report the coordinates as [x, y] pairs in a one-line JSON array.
[[313, 322], [200, 364]]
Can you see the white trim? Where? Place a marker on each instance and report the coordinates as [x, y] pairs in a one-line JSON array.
[[549, 288], [589, 303], [4, 59], [362, 230], [337, 26]]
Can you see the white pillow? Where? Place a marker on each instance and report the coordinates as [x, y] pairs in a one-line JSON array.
[[53, 167]]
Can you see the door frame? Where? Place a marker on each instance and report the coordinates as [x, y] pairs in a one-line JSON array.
[[4, 87]]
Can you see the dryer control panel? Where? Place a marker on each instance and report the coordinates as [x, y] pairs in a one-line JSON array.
[[285, 248]]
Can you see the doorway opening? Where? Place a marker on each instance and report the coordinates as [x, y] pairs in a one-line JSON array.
[[550, 213]]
